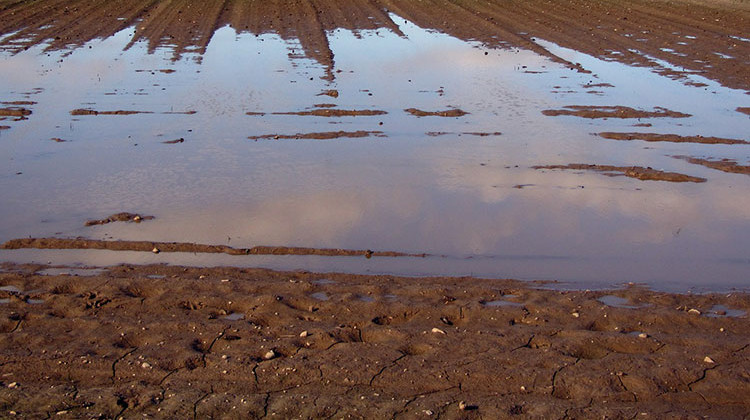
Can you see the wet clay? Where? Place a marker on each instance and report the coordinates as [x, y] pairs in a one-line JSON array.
[[247, 343], [613, 112], [673, 138], [637, 172], [147, 246]]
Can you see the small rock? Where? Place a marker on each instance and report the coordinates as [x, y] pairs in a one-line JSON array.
[[270, 354], [155, 250], [708, 360], [137, 218], [13, 385], [575, 314], [304, 334], [438, 331], [428, 412], [642, 335], [462, 406], [694, 311], [146, 365]]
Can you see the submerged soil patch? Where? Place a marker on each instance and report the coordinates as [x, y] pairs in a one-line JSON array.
[[447, 113], [637, 172], [328, 135], [584, 111], [156, 247], [14, 112], [81, 111], [673, 138], [181, 342], [119, 217], [724, 165], [335, 112]]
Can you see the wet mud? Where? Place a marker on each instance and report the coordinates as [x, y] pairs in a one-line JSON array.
[[744, 110], [14, 112], [157, 247], [594, 112], [447, 113], [83, 111], [672, 138], [119, 217], [328, 135], [724, 165], [632, 31], [637, 172], [463, 133], [206, 342], [328, 112]]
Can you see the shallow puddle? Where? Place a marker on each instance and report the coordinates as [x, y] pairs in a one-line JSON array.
[[618, 302], [66, 271], [721, 311], [256, 138], [321, 296]]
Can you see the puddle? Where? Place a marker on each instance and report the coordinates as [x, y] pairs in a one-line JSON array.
[[721, 311], [83, 272], [368, 299], [235, 316], [501, 303], [453, 196], [35, 301], [4, 300], [156, 276], [320, 296], [618, 302], [323, 281], [11, 289]]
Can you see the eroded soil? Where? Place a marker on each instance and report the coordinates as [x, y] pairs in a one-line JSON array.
[[673, 138], [637, 172], [328, 135], [724, 165], [584, 111], [173, 342]]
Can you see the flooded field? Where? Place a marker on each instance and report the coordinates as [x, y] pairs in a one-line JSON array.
[[379, 137]]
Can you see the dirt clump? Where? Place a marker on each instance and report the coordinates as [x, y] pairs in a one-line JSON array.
[[585, 111], [335, 112], [119, 217], [724, 165], [14, 112], [447, 113], [673, 138], [637, 172], [328, 135]]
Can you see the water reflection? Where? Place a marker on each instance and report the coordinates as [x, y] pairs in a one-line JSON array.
[[453, 196]]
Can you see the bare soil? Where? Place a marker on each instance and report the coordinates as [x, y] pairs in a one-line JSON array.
[[724, 165], [447, 113], [174, 342], [637, 172], [119, 217], [673, 138], [328, 135], [583, 111]]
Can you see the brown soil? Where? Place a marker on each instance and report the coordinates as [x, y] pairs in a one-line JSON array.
[[321, 136], [628, 31], [156, 247], [613, 112], [120, 217], [94, 112], [58, 140], [674, 138], [173, 342], [175, 141], [19, 103], [255, 113], [4, 127], [638, 172], [335, 112], [724, 165], [744, 110], [331, 92], [446, 113], [467, 133], [14, 112]]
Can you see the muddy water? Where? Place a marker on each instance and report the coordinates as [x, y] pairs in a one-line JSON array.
[[461, 188]]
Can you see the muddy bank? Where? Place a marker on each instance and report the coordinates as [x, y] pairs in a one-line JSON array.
[[637, 172], [672, 138], [179, 342], [744, 110], [593, 112], [82, 111], [119, 217], [328, 135], [447, 113], [14, 112], [724, 165], [156, 247], [703, 37]]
